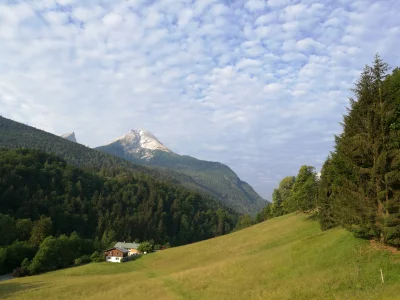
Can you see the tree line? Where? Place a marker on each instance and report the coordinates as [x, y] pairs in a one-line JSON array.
[[45, 200], [359, 184]]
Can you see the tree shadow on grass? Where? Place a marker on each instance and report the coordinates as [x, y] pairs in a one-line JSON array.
[[312, 216], [8, 289], [134, 257]]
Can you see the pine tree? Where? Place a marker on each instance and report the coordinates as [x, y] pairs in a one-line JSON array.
[[359, 188], [325, 203]]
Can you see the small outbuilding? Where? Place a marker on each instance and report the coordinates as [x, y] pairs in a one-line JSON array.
[[116, 254]]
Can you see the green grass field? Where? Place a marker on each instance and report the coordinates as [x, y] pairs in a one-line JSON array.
[[284, 258]]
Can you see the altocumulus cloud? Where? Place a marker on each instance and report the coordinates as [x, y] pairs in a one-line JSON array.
[[258, 85]]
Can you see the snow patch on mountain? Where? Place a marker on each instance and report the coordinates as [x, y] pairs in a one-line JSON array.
[[69, 136], [140, 141]]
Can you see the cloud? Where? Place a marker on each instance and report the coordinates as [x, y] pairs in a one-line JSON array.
[[255, 5], [112, 20], [258, 85]]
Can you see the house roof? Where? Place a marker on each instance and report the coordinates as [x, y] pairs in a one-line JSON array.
[[127, 245], [118, 248]]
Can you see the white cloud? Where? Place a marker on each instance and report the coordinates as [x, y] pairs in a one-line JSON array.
[[259, 85], [307, 44], [255, 5], [294, 12], [112, 19], [248, 63], [273, 88], [265, 19]]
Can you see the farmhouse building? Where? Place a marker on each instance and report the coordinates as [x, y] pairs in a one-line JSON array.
[[116, 254], [131, 247]]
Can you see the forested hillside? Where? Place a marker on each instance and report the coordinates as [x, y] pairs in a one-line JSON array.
[[214, 177], [41, 195], [359, 187], [15, 135]]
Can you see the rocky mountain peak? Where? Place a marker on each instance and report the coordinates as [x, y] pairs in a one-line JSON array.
[[136, 141], [69, 136]]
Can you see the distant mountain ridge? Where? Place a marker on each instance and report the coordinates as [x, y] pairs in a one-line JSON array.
[[202, 176], [142, 147]]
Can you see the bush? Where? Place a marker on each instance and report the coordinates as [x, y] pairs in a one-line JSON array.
[[82, 260], [145, 247], [12, 256], [166, 246], [20, 272], [97, 257], [157, 247]]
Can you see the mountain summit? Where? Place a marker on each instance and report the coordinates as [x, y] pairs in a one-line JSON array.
[[69, 136], [214, 178], [140, 143]]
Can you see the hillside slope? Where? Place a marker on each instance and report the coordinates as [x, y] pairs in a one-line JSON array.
[[142, 147], [284, 258], [16, 135]]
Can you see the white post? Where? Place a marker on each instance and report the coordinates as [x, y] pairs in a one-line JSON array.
[[382, 277]]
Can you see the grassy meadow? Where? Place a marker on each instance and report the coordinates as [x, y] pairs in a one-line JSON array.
[[284, 258]]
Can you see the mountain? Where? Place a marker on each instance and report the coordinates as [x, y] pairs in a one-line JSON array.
[[69, 136], [142, 147], [140, 143], [15, 135]]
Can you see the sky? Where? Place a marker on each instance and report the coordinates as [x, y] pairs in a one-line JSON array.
[[258, 85]]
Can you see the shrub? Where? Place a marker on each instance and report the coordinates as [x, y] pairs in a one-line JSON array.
[[166, 246], [145, 247], [20, 272], [82, 260], [97, 257]]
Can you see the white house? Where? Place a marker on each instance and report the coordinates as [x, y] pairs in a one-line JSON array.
[[116, 254]]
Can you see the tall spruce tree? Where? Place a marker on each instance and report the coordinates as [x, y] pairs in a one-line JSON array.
[[360, 183], [325, 203]]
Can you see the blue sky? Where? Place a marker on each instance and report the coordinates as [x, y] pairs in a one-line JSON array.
[[258, 85]]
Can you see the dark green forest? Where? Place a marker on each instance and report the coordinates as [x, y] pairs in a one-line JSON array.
[[214, 179], [218, 179], [46, 203], [359, 186]]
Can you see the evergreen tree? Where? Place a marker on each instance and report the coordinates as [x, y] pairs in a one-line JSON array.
[[359, 188], [325, 199], [41, 229]]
